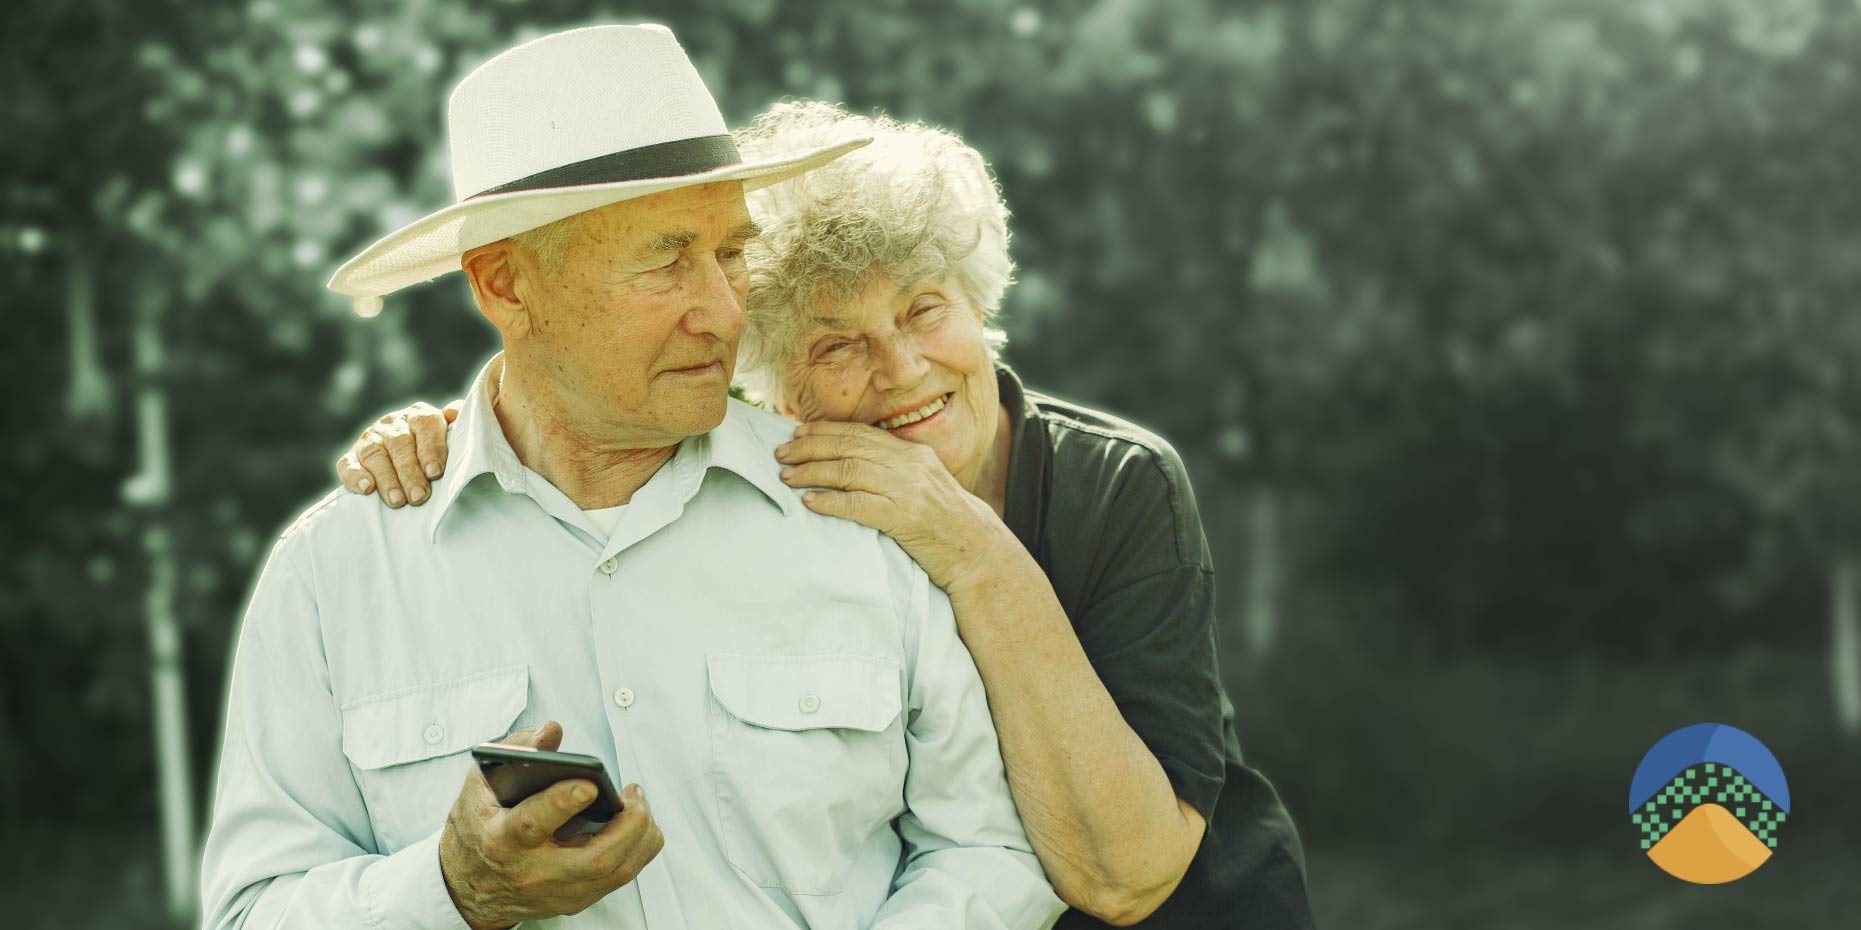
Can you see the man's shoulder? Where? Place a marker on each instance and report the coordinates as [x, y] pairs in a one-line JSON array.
[[763, 427], [754, 432], [762, 430], [345, 519]]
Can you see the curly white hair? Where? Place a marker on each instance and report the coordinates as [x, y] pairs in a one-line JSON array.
[[918, 204]]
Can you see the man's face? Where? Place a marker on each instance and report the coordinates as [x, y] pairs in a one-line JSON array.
[[894, 352], [636, 322]]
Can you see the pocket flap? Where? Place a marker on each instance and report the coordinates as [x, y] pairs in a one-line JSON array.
[[807, 692], [431, 720]]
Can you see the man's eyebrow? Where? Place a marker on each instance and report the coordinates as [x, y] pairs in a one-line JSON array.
[[680, 241], [672, 242]]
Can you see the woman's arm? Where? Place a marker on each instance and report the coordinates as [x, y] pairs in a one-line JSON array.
[[1099, 811], [1108, 827]]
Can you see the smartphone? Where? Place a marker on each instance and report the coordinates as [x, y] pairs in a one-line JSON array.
[[516, 772]]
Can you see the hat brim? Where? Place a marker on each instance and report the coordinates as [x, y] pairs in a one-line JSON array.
[[434, 244]]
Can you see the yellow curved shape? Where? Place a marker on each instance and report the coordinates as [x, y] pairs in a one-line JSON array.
[[1709, 847]]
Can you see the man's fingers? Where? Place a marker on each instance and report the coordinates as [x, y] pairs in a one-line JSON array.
[[537, 818], [452, 410], [353, 476], [400, 441], [620, 841], [372, 451], [548, 736], [428, 425], [476, 794]]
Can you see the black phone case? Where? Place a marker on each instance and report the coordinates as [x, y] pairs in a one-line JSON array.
[[516, 772]]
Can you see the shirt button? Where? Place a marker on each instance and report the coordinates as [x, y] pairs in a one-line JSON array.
[[809, 703], [434, 733], [624, 697], [607, 567]]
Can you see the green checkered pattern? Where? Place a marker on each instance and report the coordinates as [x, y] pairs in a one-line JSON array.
[[1703, 784]]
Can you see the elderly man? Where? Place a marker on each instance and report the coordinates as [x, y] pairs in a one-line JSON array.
[[614, 567]]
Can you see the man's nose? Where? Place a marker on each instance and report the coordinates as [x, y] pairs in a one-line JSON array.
[[898, 362], [716, 303]]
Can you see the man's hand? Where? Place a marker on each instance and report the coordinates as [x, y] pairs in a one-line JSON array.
[[504, 865], [400, 453]]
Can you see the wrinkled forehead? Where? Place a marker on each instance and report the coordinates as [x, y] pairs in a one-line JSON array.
[[872, 298], [704, 212]]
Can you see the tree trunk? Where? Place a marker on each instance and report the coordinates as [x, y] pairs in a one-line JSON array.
[[87, 394], [10, 775], [150, 490], [1845, 641], [1261, 616]]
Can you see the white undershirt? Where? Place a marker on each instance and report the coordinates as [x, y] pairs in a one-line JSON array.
[[606, 518]]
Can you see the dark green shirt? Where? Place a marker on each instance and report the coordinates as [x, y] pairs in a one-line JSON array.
[[1106, 509]]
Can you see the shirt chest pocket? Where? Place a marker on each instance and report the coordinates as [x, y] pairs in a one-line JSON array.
[[410, 747], [808, 762]]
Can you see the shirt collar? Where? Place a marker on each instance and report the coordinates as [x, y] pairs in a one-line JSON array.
[[740, 447], [479, 448]]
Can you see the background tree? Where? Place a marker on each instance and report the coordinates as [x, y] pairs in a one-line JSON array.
[[1512, 347]]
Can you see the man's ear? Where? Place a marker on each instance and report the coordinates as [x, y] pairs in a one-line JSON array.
[[492, 270]]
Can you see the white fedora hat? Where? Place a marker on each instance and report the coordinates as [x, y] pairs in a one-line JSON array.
[[559, 126]]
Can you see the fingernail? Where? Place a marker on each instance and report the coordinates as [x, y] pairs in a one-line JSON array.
[[583, 793], [419, 494], [781, 452], [786, 472], [367, 485], [432, 470], [395, 497]]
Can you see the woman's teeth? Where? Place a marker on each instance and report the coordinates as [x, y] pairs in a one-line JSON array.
[[913, 416]]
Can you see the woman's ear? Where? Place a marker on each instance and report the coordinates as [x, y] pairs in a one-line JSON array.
[[492, 271], [783, 407]]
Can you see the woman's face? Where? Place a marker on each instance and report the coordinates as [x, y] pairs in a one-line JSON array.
[[909, 359]]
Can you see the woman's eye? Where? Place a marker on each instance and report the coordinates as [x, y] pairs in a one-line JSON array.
[[729, 255], [832, 347], [922, 310]]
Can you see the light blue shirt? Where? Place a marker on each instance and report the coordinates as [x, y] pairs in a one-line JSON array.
[[788, 688]]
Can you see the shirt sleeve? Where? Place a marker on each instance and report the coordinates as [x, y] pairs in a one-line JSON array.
[[1148, 625], [967, 862], [289, 844]]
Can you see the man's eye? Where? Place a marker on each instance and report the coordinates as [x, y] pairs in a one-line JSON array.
[[833, 347], [729, 255], [923, 310]]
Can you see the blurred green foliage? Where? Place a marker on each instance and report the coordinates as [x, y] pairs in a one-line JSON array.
[[1541, 312]]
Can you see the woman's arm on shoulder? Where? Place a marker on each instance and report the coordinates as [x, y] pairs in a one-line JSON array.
[[1099, 807]]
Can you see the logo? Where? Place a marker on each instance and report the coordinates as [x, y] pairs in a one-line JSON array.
[[1709, 801]]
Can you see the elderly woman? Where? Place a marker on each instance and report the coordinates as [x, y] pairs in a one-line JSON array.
[[1068, 540]]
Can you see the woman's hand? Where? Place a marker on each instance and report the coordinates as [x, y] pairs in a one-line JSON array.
[[399, 454], [899, 488]]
